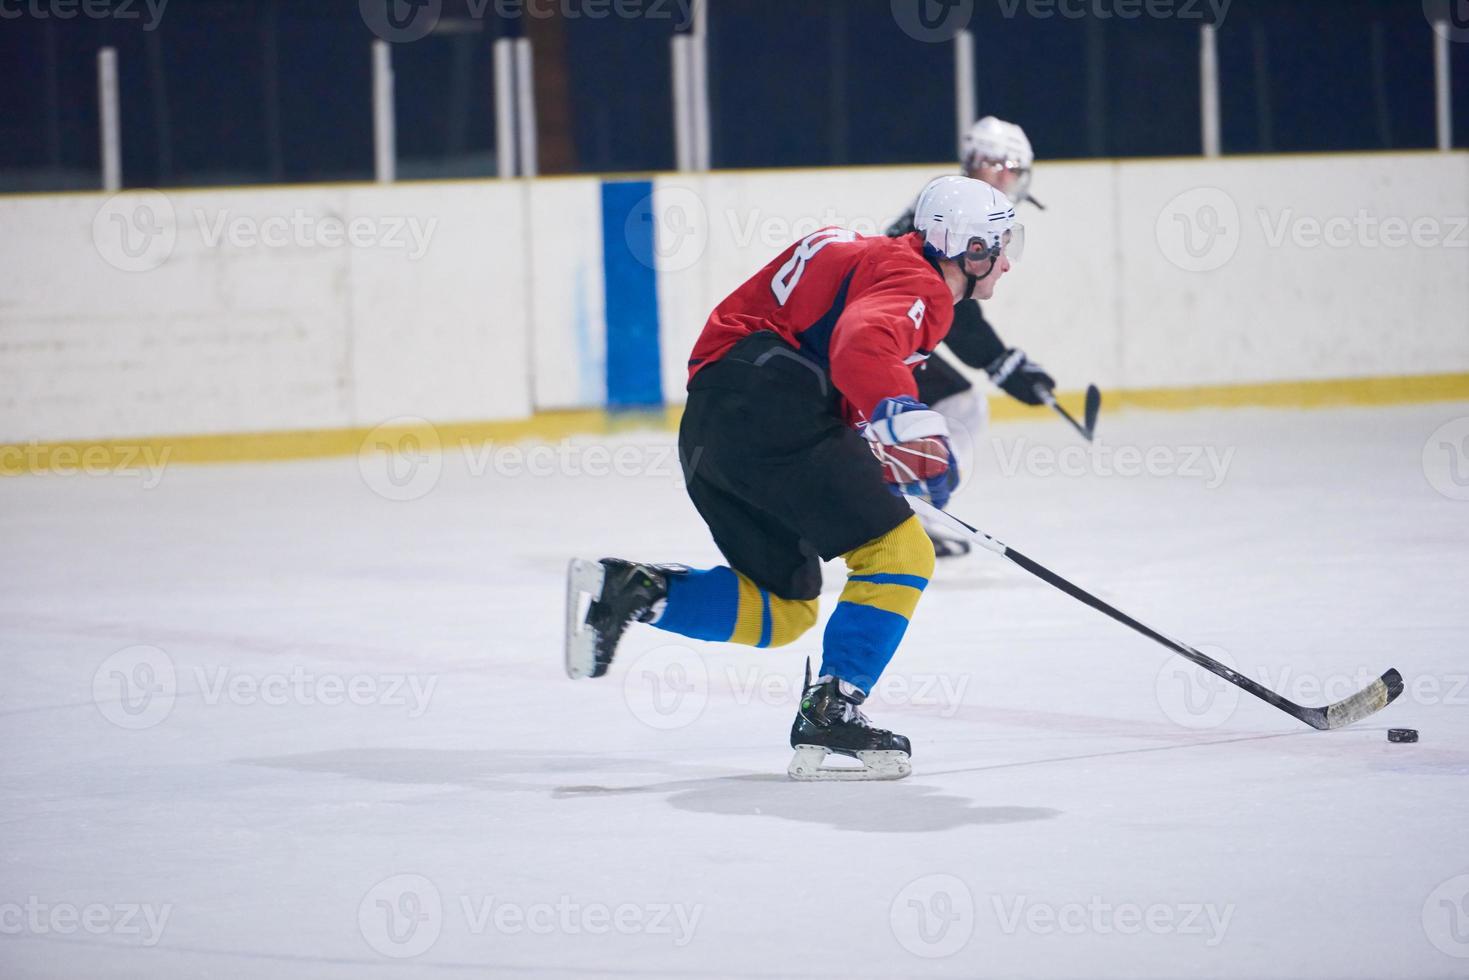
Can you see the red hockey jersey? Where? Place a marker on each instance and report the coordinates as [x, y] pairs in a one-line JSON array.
[[864, 309]]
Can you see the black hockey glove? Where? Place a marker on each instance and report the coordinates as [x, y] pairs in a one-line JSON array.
[[1019, 376]]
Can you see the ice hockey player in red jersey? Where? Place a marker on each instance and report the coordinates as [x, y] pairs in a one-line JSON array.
[[801, 432]]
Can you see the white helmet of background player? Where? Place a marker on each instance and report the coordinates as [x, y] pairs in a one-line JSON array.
[[998, 153], [960, 217]]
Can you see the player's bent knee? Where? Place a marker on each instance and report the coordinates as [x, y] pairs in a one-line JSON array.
[[790, 618], [764, 619], [891, 572], [905, 550]]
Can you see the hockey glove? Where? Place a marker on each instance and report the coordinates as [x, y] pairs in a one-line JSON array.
[[1019, 376], [911, 441]]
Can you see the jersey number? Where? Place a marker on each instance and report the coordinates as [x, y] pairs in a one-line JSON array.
[[915, 313], [790, 274]]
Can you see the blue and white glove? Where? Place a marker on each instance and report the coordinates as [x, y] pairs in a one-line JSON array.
[[911, 441]]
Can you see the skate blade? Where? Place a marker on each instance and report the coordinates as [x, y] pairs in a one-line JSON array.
[[807, 765], [583, 579]]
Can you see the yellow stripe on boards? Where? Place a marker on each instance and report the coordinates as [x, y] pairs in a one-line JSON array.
[[1330, 393], [110, 455], [98, 455], [1337, 392]]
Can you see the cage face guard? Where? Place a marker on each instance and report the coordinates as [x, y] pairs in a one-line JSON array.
[[994, 171], [1010, 243]]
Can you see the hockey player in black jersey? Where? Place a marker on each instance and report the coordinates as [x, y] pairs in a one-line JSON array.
[[998, 153]]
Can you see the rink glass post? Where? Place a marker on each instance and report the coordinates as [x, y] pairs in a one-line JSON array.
[[689, 50], [680, 47], [504, 53], [525, 108], [1442, 95], [109, 120], [699, 78], [1209, 88], [384, 123], [965, 111]]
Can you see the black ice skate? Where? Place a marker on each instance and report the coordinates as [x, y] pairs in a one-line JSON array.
[[830, 721], [620, 593]]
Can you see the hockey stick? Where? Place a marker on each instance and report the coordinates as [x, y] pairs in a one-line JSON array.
[[1372, 698], [1088, 427]]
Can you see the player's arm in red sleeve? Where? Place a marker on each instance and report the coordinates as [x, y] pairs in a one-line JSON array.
[[884, 326]]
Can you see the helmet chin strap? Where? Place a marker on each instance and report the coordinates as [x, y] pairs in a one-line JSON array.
[[973, 280]]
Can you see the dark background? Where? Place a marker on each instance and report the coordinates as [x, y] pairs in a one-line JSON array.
[[255, 91]]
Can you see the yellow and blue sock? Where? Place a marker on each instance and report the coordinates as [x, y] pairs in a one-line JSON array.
[[886, 578], [724, 606]]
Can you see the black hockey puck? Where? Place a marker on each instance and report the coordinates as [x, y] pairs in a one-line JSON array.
[[1402, 734]]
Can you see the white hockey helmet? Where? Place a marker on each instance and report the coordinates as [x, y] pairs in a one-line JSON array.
[[960, 217], [992, 148]]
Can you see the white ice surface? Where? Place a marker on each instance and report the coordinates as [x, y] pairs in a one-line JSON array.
[[1062, 819]]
